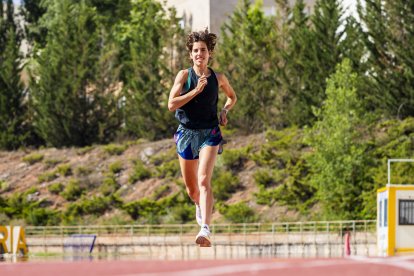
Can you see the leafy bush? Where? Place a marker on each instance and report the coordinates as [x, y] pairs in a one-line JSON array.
[[168, 169], [182, 213], [47, 176], [263, 178], [234, 159], [82, 171], [73, 190], [238, 212], [266, 196], [160, 192], [56, 188], [50, 163], [64, 170], [139, 172], [85, 150], [224, 184], [146, 210], [33, 158], [109, 185], [4, 186], [116, 167], [42, 216], [114, 149], [164, 157]]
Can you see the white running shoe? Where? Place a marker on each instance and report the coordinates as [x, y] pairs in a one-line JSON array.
[[203, 238], [198, 215]]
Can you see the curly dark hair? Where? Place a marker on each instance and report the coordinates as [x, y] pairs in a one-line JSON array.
[[205, 36]]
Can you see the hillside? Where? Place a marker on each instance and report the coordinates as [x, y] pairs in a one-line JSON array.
[[133, 171], [258, 178]]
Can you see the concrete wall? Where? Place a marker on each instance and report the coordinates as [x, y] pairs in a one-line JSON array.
[[225, 245]]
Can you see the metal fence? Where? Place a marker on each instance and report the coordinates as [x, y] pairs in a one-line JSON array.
[[288, 239], [338, 227]]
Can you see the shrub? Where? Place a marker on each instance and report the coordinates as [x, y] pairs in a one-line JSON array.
[[238, 213], [64, 170], [47, 177], [182, 213], [95, 205], [263, 177], [56, 188], [33, 158], [224, 184], [139, 172], [168, 169], [4, 186], [73, 190], [234, 159], [109, 185], [160, 192], [82, 171], [42, 217], [146, 210], [50, 163], [85, 150], [113, 149], [164, 157], [266, 196], [116, 167]]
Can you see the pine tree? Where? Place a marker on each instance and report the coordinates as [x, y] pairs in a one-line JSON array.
[[13, 112], [33, 10], [327, 20], [245, 56], [338, 156], [389, 36], [297, 78], [70, 97], [146, 70]]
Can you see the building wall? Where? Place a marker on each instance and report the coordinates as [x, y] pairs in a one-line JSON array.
[[199, 14]]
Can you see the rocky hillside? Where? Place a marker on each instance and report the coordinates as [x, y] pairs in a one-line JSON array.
[[133, 182]]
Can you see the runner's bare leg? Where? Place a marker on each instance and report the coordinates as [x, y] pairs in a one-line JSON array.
[[207, 160]]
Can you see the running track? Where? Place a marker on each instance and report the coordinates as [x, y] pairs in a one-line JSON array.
[[398, 266]]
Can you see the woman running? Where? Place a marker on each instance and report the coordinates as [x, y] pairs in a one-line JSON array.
[[194, 98]]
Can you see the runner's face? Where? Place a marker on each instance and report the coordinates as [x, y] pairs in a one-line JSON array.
[[200, 54]]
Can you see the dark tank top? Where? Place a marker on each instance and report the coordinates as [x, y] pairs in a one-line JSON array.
[[201, 111]]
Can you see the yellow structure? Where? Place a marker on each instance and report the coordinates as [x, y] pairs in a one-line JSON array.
[[395, 217], [12, 240]]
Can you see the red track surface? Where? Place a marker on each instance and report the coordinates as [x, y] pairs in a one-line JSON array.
[[398, 266]]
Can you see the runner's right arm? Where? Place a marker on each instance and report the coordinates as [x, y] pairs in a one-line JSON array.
[[176, 100]]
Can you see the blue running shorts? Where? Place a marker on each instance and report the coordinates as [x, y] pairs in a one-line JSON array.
[[190, 141]]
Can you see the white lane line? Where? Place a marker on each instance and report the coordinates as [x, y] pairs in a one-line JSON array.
[[238, 268], [400, 262]]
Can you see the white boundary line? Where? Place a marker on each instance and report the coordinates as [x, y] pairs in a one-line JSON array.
[[242, 268], [400, 262]]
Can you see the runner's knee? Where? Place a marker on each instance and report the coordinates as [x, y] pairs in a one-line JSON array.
[[204, 182]]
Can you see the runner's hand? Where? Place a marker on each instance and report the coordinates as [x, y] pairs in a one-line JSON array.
[[223, 118], [202, 82]]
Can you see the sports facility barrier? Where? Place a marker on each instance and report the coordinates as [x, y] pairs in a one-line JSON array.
[[288, 239]]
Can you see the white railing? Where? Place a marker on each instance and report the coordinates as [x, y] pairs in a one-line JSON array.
[[338, 227]]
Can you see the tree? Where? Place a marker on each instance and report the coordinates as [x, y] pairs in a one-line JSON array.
[[327, 49], [73, 79], [146, 72], [389, 36], [32, 11], [337, 159], [245, 55], [297, 73], [13, 112]]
